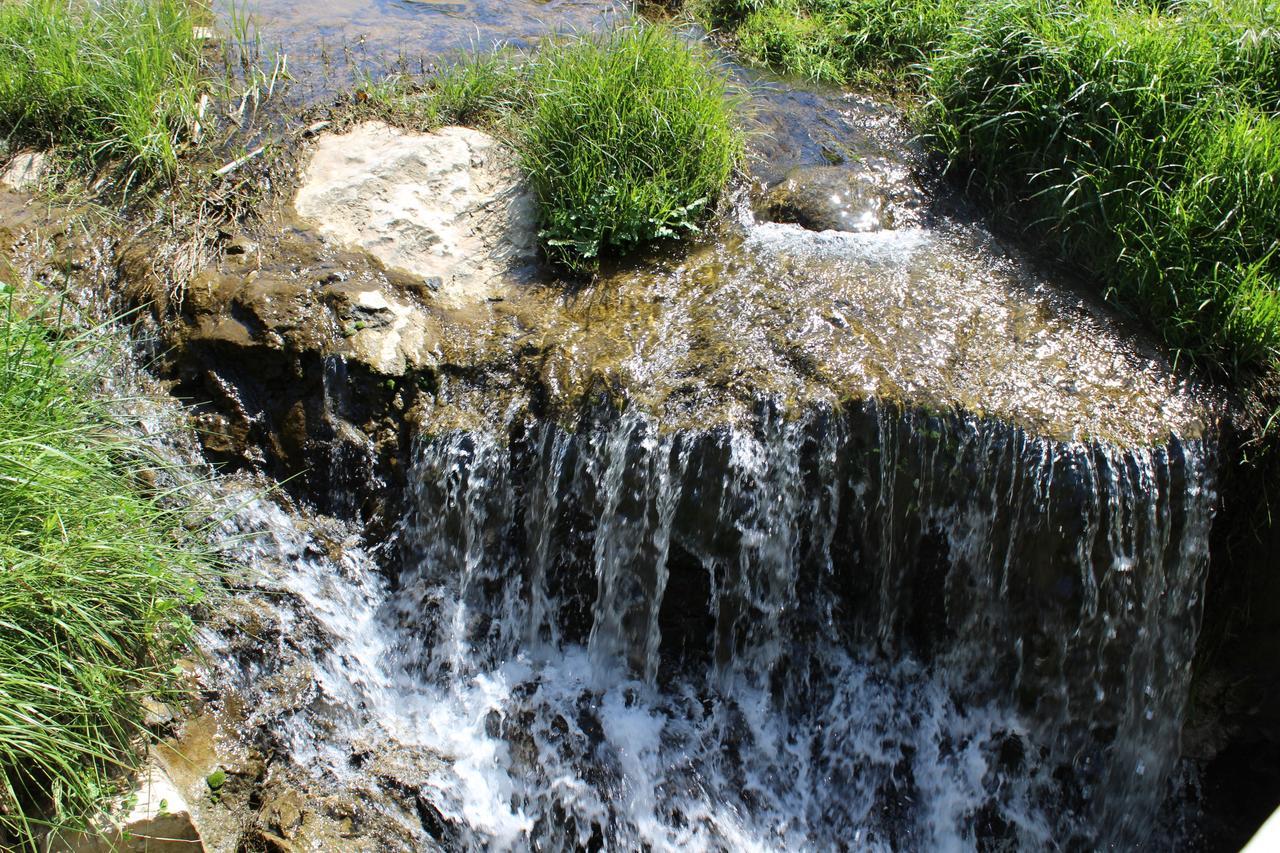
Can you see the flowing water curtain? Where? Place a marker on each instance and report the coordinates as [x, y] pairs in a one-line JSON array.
[[959, 587]]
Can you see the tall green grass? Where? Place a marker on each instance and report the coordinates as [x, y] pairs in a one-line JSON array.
[[94, 580], [109, 79], [630, 137], [1138, 141], [836, 41], [626, 137], [1142, 144]]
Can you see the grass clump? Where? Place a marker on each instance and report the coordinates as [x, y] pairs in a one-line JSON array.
[[94, 580], [108, 79], [629, 138], [835, 41], [626, 138], [1142, 144]]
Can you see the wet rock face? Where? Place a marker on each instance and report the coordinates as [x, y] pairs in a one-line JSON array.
[[446, 207], [324, 363], [302, 360], [852, 199], [304, 345], [273, 679], [388, 299]]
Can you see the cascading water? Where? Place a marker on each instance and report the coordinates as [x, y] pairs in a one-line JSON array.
[[856, 629], [846, 625], [801, 625]]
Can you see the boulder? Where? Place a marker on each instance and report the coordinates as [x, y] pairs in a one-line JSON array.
[[448, 207]]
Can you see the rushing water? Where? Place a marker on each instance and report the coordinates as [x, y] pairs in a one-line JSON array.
[[860, 629]]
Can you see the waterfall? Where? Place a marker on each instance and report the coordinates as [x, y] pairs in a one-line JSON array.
[[862, 628]]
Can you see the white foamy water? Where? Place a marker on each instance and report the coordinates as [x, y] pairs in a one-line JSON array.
[[859, 631]]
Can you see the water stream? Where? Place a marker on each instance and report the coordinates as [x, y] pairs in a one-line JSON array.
[[862, 629], [817, 624]]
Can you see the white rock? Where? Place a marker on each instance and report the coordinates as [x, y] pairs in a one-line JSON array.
[[447, 207], [25, 170], [395, 338], [160, 822]]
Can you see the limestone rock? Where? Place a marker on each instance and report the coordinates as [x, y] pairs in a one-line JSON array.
[[446, 207], [386, 334], [25, 170], [159, 822]]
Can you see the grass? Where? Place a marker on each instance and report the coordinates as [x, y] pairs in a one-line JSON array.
[[630, 138], [626, 138], [94, 580], [1136, 146], [108, 80], [835, 41], [1138, 141]]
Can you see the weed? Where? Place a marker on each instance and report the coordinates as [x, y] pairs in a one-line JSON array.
[[1118, 133], [834, 40]]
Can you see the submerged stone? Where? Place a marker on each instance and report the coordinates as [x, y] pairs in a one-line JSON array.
[[840, 198], [446, 207]]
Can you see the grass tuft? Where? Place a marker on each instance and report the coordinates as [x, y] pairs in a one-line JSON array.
[[630, 138], [835, 41], [1142, 145], [107, 79], [94, 582]]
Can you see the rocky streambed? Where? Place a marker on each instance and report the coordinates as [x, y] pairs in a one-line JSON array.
[[845, 526]]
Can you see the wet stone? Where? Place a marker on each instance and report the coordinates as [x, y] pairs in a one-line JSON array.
[[852, 199]]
